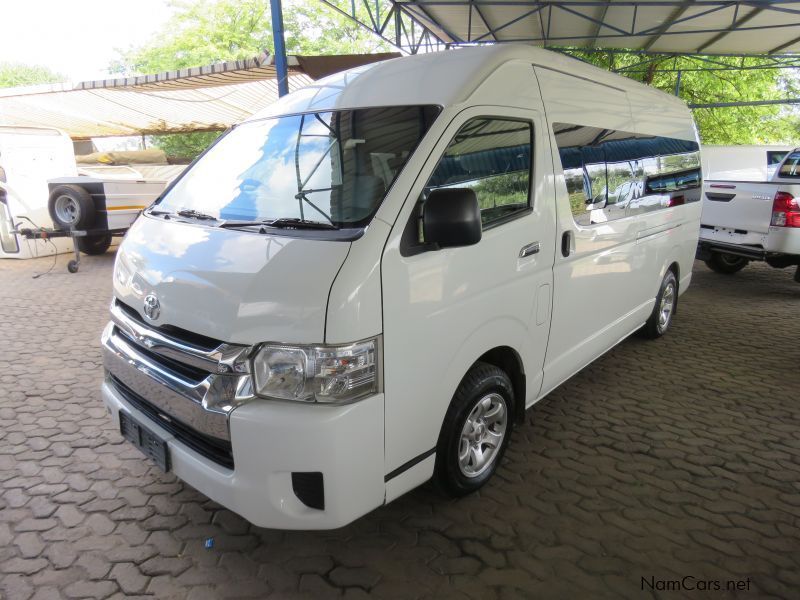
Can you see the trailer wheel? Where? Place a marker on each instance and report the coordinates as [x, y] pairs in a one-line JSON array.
[[727, 264], [71, 207], [94, 244]]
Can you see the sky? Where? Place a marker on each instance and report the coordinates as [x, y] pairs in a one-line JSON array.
[[76, 38]]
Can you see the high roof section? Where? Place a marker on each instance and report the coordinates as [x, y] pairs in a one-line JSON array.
[[198, 99], [664, 26], [443, 79]]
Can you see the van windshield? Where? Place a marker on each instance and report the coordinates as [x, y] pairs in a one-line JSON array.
[[333, 167]]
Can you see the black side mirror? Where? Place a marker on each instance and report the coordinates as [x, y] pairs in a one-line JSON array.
[[451, 217]]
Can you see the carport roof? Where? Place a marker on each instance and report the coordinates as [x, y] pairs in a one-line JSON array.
[[198, 99], [668, 26]]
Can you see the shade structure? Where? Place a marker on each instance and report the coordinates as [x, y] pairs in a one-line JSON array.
[[668, 26], [198, 99]]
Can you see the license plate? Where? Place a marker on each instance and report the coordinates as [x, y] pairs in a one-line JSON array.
[[145, 440]]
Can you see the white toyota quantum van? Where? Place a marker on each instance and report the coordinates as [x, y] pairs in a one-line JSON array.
[[364, 286]]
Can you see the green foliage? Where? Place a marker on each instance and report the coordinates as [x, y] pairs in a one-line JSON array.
[[200, 33], [740, 125], [209, 31], [184, 147], [15, 74]]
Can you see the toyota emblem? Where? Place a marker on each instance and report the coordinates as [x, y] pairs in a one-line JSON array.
[[152, 307]]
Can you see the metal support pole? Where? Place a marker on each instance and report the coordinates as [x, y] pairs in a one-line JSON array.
[[678, 85], [281, 69]]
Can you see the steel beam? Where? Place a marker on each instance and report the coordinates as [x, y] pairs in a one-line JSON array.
[[601, 19], [674, 15], [281, 68], [745, 103], [791, 42], [736, 25]]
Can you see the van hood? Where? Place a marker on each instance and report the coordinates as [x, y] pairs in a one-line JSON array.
[[231, 285]]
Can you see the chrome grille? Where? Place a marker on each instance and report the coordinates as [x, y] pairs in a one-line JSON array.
[[196, 385]]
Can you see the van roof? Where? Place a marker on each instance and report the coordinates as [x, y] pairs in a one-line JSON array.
[[442, 78], [30, 130]]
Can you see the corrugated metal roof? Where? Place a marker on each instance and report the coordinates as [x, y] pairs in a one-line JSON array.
[[686, 27], [198, 99]]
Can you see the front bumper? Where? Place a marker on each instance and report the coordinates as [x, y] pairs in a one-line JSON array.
[[272, 440]]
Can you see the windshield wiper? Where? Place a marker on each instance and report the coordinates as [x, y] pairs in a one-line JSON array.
[[295, 223], [184, 212], [282, 223], [195, 214]]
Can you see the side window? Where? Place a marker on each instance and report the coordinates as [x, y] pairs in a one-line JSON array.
[[612, 174], [583, 158], [491, 155], [791, 166]]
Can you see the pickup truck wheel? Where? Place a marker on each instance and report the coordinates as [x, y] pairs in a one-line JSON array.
[[726, 263], [666, 304], [94, 245], [71, 207], [475, 431]]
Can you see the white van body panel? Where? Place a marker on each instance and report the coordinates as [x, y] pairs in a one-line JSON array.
[[30, 157], [444, 309], [577, 335], [304, 438], [632, 253], [436, 311], [222, 284], [354, 306]]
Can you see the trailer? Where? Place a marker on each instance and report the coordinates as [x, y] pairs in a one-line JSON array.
[[76, 235]]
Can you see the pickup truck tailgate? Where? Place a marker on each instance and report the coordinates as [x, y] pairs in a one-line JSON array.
[[739, 205]]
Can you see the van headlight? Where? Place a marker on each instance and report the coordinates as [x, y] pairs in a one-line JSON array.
[[325, 374]]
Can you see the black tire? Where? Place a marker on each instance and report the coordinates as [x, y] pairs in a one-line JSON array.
[[71, 207], [72, 266], [94, 245], [728, 264], [481, 382], [667, 297]]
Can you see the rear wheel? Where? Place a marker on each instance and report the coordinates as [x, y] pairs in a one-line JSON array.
[[726, 263], [71, 207], [94, 244], [475, 431], [666, 304]]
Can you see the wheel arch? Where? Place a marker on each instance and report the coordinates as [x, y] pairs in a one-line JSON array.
[[509, 360], [501, 342]]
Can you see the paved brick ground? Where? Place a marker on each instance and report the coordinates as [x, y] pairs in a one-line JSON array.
[[662, 459]]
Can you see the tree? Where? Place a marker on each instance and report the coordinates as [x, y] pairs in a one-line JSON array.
[[15, 74], [740, 125], [209, 31]]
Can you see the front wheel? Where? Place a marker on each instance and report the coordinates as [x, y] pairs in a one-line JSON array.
[[666, 304], [727, 264], [475, 431]]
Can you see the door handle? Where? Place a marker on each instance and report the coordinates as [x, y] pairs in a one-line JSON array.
[[566, 243], [529, 249]]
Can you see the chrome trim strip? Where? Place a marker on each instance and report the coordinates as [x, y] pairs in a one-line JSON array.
[[225, 358], [202, 405]]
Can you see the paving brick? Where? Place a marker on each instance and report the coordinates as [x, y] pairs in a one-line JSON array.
[[628, 468], [90, 589], [129, 578]]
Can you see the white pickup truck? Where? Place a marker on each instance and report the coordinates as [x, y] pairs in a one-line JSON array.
[[744, 221]]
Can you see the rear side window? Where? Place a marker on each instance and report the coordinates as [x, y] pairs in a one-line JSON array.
[[492, 156], [791, 166], [611, 174]]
